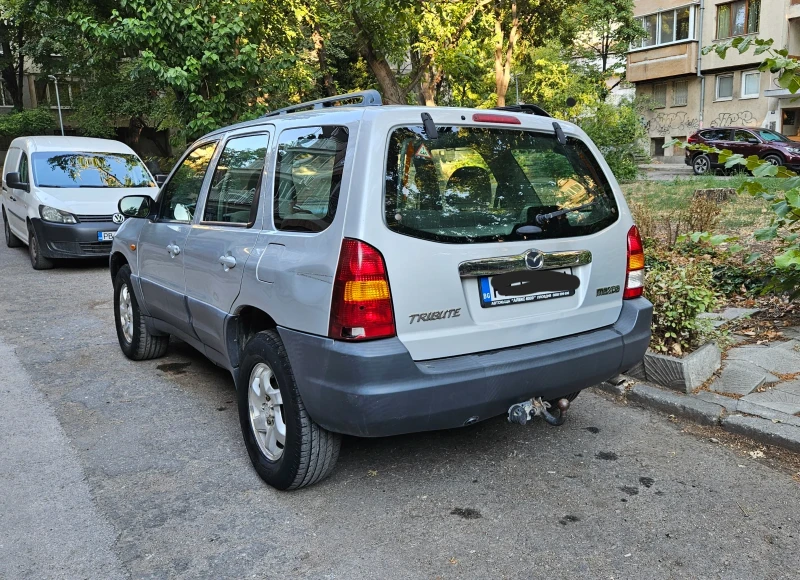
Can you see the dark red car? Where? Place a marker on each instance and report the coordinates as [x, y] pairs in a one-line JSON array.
[[767, 144]]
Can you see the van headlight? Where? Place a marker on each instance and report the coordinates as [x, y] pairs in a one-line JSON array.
[[51, 214]]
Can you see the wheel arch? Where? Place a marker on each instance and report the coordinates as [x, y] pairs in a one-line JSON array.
[[117, 261], [774, 152], [246, 322]]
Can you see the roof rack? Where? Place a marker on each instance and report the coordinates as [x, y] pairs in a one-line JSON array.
[[529, 109], [368, 98]]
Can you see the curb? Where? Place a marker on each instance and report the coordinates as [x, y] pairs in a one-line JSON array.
[[770, 431]]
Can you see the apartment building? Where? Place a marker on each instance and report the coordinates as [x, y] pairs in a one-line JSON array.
[[687, 90]]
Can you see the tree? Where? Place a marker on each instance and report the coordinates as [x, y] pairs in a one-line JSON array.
[[602, 30]]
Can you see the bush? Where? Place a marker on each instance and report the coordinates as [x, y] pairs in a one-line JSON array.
[[679, 290], [617, 130], [30, 122]]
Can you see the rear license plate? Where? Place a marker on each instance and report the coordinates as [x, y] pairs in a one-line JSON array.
[[105, 236], [490, 296]]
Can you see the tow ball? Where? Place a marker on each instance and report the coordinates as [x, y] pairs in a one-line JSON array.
[[522, 413]]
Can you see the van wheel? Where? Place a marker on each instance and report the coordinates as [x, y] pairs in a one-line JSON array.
[[12, 241], [774, 160], [134, 339], [38, 261], [288, 450], [701, 164]]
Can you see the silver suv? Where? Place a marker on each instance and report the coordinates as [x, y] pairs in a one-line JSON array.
[[375, 270]]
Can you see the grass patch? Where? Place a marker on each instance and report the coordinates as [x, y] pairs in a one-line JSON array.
[[665, 201]]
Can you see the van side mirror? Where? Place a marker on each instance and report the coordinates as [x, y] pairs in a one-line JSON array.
[[14, 182], [136, 206], [160, 179]]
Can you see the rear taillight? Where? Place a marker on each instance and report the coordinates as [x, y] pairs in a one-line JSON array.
[[693, 139], [492, 118], [362, 303], [634, 281]]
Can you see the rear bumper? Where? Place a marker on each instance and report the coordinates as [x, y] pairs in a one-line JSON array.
[[375, 389], [72, 240]]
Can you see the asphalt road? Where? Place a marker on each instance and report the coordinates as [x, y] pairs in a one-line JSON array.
[[110, 468]]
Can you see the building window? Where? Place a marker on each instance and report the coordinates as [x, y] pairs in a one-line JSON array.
[[666, 27], [680, 93], [660, 95], [738, 18], [724, 87], [68, 91], [5, 95], [751, 85]]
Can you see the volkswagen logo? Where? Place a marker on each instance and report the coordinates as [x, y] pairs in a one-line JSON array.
[[534, 260], [117, 218]]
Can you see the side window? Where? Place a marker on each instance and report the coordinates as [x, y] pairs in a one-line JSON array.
[[24, 174], [179, 195], [742, 136], [717, 135], [308, 176], [236, 180]]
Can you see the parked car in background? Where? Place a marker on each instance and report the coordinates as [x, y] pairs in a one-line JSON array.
[[60, 195], [769, 145], [373, 271]]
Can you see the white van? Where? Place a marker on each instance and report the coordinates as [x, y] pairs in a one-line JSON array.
[[60, 195]]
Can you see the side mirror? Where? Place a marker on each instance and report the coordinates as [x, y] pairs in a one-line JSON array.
[[136, 206], [753, 140], [160, 179], [14, 182]]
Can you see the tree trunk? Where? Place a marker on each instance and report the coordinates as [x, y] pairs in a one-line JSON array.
[[322, 60], [504, 59], [427, 87]]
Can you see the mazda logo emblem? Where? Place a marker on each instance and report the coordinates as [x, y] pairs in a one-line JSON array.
[[118, 218], [534, 260]]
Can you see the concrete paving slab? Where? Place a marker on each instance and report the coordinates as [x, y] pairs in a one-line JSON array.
[[727, 402], [727, 315], [739, 377], [792, 387], [775, 399], [748, 408], [772, 358]]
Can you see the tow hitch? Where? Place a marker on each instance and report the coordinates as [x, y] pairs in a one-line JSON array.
[[521, 413]]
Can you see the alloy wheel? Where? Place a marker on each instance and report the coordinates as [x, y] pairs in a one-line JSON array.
[[126, 313], [266, 411]]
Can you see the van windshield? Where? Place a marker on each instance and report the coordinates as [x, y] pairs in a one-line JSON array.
[[477, 185], [72, 169]]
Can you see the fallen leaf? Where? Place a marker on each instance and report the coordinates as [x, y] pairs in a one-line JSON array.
[[372, 473], [453, 561]]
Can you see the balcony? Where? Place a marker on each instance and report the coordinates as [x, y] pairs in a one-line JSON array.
[[662, 62]]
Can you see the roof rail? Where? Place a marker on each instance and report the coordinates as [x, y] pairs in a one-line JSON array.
[[368, 98], [529, 109]]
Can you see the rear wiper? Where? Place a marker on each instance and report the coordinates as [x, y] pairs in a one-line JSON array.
[[543, 218]]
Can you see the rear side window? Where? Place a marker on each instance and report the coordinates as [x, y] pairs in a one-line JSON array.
[[477, 185], [236, 179], [716, 135], [308, 177]]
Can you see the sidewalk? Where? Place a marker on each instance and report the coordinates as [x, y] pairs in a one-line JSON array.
[[756, 393]]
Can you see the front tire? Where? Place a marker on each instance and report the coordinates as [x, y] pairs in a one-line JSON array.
[[774, 160], [134, 339], [701, 164], [12, 241], [38, 261], [288, 450]]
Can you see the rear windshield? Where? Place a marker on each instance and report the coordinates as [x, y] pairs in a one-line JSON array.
[[71, 169], [477, 185]]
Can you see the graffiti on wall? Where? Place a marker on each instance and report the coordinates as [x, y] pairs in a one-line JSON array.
[[728, 119], [671, 123]]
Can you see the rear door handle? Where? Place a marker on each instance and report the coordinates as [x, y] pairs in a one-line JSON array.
[[227, 262], [173, 250]]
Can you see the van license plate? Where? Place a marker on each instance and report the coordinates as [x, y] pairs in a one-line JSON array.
[[490, 296], [105, 236]]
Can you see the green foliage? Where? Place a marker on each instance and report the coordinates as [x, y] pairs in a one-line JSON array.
[[618, 132], [29, 122], [679, 290]]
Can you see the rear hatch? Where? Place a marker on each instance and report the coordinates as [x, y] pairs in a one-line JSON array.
[[498, 236]]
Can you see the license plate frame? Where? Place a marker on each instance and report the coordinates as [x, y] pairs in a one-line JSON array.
[[488, 296], [105, 236]]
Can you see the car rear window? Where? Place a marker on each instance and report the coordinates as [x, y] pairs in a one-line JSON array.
[[477, 185]]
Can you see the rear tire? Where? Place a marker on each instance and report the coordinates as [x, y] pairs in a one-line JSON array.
[[701, 164], [269, 400], [12, 241], [134, 339], [38, 261]]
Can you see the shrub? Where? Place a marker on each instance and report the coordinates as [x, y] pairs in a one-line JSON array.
[[29, 122], [617, 130], [679, 289]]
